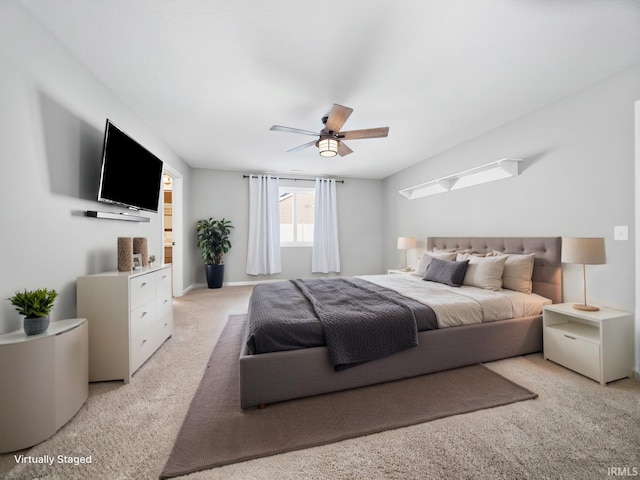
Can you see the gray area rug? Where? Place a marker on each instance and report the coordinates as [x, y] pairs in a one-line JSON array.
[[217, 432]]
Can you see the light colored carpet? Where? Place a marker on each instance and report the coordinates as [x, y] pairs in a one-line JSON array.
[[575, 429], [217, 432]]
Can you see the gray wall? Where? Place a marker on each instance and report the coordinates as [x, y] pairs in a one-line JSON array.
[[577, 179], [225, 194], [52, 116]]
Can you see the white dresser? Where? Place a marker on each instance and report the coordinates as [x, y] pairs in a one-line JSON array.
[[130, 315]]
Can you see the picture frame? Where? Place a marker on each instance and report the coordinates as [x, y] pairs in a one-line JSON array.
[[137, 261]]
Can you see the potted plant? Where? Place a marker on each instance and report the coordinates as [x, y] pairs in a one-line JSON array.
[[35, 305], [213, 239]]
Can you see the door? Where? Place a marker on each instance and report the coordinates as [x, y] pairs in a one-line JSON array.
[[167, 234], [172, 231]]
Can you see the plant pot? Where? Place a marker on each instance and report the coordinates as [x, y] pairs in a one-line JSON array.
[[36, 326], [215, 275]]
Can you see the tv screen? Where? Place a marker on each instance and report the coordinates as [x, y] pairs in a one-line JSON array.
[[131, 175]]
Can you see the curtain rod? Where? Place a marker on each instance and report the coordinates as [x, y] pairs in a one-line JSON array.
[[296, 179]]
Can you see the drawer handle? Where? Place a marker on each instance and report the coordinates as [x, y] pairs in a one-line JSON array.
[[143, 284], [163, 277], [144, 340], [143, 314], [166, 323], [572, 338], [165, 300]]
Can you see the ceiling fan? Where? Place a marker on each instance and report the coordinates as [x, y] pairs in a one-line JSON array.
[[330, 138]]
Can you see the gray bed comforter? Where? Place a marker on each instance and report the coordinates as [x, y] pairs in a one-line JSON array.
[[357, 320]]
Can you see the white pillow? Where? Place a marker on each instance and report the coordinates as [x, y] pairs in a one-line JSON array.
[[483, 272], [517, 271], [426, 258]]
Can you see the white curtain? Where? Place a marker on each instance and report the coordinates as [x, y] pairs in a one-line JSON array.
[[263, 253], [326, 255]]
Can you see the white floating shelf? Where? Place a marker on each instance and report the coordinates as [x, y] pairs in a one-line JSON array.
[[489, 172]]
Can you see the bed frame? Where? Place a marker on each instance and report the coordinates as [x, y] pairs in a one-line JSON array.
[[272, 377]]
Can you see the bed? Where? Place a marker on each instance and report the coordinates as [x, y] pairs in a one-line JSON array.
[[299, 372]]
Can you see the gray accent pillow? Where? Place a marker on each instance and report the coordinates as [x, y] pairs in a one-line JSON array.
[[445, 271], [426, 258]]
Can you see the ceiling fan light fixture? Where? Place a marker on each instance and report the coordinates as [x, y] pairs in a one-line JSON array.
[[328, 147]]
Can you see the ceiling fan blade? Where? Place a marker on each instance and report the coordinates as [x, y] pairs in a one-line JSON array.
[[366, 133], [343, 149], [302, 147], [278, 128], [337, 117]]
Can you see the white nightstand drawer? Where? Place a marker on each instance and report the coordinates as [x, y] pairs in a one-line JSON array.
[[572, 352]]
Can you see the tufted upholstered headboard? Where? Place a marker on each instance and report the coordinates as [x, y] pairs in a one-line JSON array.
[[547, 271]]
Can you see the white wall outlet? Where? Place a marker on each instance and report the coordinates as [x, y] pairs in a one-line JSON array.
[[621, 233]]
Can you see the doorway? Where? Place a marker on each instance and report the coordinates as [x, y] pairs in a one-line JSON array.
[[167, 233], [172, 221]]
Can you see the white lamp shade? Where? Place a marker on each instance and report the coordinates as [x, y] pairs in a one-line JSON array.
[[406, 243], [587, 251]]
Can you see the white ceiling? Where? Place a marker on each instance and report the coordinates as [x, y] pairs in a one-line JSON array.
[[210, 77]]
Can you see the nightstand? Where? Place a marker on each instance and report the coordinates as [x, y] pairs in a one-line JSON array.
[[45, 381], [599, 345], [399, 271]]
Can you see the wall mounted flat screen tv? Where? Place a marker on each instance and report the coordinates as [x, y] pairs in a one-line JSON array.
[[131, 175]]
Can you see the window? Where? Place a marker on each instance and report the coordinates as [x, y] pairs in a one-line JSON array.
[[297, 211]]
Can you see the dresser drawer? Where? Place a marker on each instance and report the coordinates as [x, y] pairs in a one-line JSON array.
[[163, 285], [143, 290], [164, 328], [143, 318], [142, 347], [165, 307], [572, 352]]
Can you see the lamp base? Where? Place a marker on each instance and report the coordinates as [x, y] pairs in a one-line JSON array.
[[586, 308]]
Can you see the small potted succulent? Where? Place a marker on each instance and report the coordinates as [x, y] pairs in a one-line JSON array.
[[35, 305]]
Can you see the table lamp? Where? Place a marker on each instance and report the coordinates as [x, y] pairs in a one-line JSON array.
[[587, 251], [406, 243]]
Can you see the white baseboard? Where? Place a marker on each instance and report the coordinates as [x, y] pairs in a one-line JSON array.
[[228, 284], [191, 287], [236, 284], [252, 282]]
